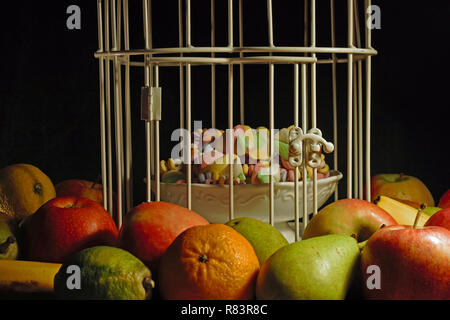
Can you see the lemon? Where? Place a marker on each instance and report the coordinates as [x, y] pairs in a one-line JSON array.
[[24, 188]]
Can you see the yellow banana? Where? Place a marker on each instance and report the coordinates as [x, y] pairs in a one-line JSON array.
[[27, 276], [401, 212]]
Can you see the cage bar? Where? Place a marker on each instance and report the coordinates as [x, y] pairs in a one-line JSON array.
[[108, 110], [304, 126], [349, 99], [314, 97], [230, 150], [213, 68], [334, 90], [296, 173], [101, 71], [367, 4], [128, 124], [241, 67]]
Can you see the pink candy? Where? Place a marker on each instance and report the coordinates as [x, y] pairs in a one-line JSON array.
[[291, 176]]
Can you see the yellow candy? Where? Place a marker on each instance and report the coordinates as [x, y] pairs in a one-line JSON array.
[[171, 164], [219, 165], [163, 166], [215, 176], [299, 174], [245, 169], [263, 129], [324, 170], [309, 170]]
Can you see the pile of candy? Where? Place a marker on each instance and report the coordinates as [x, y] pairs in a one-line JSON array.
[[251, 160]]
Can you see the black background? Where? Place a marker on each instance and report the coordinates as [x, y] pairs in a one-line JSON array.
[[49, 92]]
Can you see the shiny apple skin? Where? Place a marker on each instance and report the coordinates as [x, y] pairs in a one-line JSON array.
[[350, 217], [440, 219], [444, 201], [407, 188], [65, 225], [80, 188], [414, 263], [150, 227]]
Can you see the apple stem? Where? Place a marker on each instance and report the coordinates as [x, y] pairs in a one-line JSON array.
[[361, 245], [400, 176], [419, 213], [99, 178], [377, 199]]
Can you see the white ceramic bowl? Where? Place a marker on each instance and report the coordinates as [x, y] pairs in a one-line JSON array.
[[250, 200]]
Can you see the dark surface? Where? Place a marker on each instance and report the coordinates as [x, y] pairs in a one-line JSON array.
[[49, 114]]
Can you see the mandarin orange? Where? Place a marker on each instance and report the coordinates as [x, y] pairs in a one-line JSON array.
[[209, 262]]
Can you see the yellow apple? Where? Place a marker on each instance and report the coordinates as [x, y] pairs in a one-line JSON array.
[[402, 187]]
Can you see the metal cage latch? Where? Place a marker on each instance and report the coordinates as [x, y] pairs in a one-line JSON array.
[[313, 148], [151, 103]]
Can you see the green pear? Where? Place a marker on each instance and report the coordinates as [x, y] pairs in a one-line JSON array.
[[264, 238], [319, 268]]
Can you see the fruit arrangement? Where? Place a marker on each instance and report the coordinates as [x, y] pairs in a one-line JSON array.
[[251, 156], [69, 247]]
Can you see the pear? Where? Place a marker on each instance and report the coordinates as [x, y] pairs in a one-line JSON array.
[[319, 268], [264, 238]]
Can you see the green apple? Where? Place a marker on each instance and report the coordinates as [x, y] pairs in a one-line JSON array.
[[264, 238], [320, 268]]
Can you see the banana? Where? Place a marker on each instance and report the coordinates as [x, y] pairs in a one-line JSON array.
[[401, 212], [27, 276]]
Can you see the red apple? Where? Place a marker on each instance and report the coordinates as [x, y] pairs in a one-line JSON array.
[[80, 188], [65, 225], [444, 202], [356, 217], [414, 263], [83, 189], [402, 187], [149, 228], [440, 218]]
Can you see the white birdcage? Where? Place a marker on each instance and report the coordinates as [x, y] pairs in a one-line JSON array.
[[117, 59]]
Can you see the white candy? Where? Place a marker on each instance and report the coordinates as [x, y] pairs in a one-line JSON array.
[[283, 174], [207, 148]]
